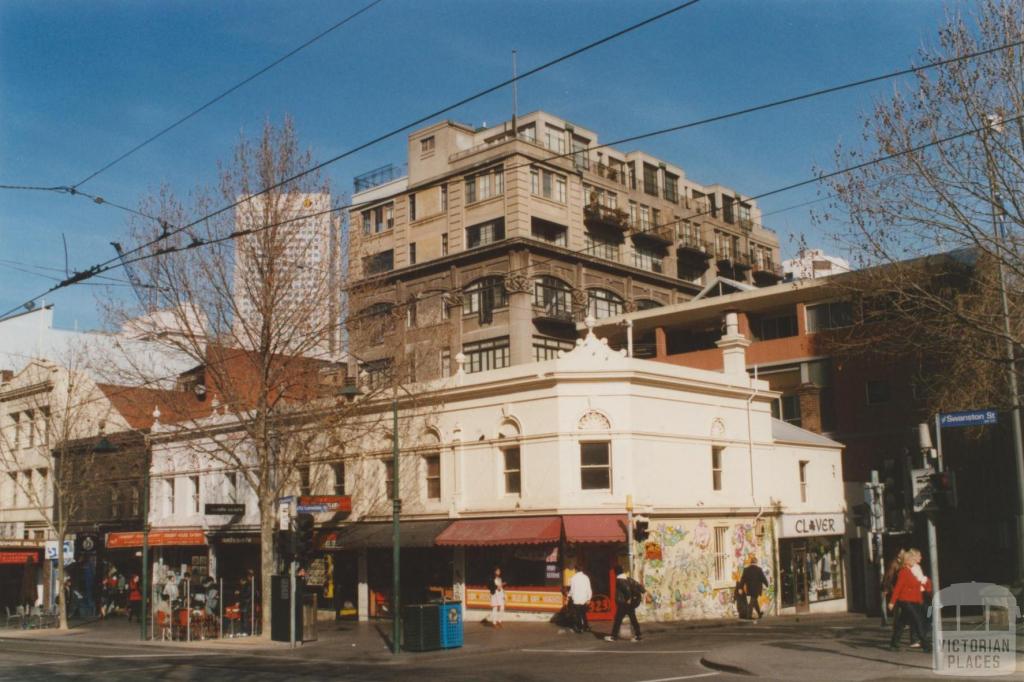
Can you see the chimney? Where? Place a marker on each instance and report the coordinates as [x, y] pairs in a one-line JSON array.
[[734, 347]]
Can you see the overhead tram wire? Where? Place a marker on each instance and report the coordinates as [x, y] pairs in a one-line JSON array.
[[420, 120], [233, 88], [104, 266]]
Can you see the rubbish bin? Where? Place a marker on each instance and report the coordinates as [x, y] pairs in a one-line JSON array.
[[450, 624], [421, 627]]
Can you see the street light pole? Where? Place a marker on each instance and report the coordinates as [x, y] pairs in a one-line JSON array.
[[146, 459], [396, 508]]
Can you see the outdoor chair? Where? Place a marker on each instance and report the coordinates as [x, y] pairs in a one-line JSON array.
[[16, 616]]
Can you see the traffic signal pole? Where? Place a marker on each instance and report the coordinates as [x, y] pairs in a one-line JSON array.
[[396, 507]]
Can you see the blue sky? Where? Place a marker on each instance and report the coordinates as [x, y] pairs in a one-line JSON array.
[[82, 82]]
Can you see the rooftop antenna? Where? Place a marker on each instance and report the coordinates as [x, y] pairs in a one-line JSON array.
[[515, 95]]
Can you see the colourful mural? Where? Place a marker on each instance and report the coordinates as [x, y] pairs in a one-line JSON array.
[[677, 564]]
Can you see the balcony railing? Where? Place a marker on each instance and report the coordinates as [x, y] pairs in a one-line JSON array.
[[609, 173], [663, 234], [556, 310], [694, 245], [378, 176], [594, 213]]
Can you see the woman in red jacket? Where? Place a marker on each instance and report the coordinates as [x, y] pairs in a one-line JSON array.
[[134, 599], [908, 596]]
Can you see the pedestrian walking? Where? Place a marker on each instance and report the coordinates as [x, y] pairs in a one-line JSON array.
[[580, 594], [135, 599], [889, 582], [628, 595], [908, 597], [497, 587], [245, 597], [753, 581]]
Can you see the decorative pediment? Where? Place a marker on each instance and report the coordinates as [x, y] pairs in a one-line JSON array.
[[593, 420]]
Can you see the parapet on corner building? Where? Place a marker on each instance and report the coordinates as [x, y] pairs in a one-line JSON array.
[[530, 467]]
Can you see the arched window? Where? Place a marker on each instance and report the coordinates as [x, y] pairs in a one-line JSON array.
[[603, 303], [552, 294], [646, 304], [484, 295]]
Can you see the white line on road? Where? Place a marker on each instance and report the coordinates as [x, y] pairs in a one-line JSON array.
[[173, 654], [683, 677], [605, 651]]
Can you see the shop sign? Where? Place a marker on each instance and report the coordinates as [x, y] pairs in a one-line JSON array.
[[328, 540], [157, 538], [315, 504], [50, 550], [803, 525], [224, 509], [21, 542], [87, 542], [12, 557], [245, 539]]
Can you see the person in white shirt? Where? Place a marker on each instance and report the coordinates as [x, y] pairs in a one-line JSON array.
[[580, 594]]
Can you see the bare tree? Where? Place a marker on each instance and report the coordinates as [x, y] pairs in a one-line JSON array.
[[47, 407], [953, 185]]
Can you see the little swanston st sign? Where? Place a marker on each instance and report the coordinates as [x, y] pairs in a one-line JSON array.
[[806, 525]]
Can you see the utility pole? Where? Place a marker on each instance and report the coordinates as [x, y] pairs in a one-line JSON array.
[[874, 492], [629, 530], [146, 464], [396, 509]]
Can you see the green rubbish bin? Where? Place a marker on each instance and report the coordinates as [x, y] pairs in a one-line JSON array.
[[421, 629]]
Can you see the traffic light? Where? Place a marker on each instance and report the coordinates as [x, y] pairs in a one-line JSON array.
[[303, 537], [284, 545], [640, 529], [944, 490], [861, 514]]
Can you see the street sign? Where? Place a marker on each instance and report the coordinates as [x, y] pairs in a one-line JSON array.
[[968, 418], [314, 504], [50, 551], [224, 509], [921, 485]]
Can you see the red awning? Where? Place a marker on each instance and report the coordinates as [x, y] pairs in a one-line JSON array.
[[595, 528], [527, 530]]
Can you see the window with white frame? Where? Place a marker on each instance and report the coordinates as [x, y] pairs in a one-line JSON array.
[[513, 472], [305, 488], [803, 480], [603, 303], [338, 469], [483, 356], [548, 185], [169, 501], [595, 466], [115, 503], [432, 475], [485, 233], [721, 553], [135, 501], [716, 467], [193, 482]]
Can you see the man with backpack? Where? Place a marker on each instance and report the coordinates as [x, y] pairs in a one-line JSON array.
[[628, 595]]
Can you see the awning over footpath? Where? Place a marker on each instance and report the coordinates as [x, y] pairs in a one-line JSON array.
[[595, 528], [157, 538], [527, 530], [379, 535]]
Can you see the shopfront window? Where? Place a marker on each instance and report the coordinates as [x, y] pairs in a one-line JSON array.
[[523, 566], [811, 570]]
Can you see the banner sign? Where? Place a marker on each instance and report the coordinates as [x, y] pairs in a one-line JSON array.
[[802, 525], [968, 418], [157, 538], [314, 504], [7, 557], [224, 509]]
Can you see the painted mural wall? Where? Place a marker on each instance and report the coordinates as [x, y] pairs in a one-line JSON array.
[[678, 563]]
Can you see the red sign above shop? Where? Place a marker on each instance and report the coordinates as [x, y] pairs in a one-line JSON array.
[[8, 557], [314, 504], [157, 538]]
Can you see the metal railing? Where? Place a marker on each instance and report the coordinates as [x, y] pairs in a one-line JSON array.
[[378, 176]]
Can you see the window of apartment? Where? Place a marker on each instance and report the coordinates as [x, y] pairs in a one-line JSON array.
[[378, 373], [787, 408], [379, 218], [727, 212], [528, 132], [545, 348], [169, 496], [377, 321], [744, 214], [721, 554], [485, 233], [580, 158], [483, 356], [427, 144], [553, 295], [647, 257], [650, 179], [444, 198], [44, 425], [411, 367], [42, 480], [689, 234], [432, 472], [829, 316], [878, 391], [595, 466], [819, 372], [776, 327], [647, 304], [601, 246], [671, 187], [231, 484], [547, 184], [412, 207], [470, 189], [410, 312], [446, 363], [304, 482], [16, 427], [412, 253], [723, 246], [632, 214], [135, 501], [603, 303], [645, 218], [513, 471], [389, 478], [550, 232], [193, 482], [115, 503], [803, 480], [554, 139], [716, 467], [379, 262], [484, 295], [30, 427], [444, 245], [338, 469]]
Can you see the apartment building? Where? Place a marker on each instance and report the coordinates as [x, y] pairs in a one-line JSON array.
[[497, 239]]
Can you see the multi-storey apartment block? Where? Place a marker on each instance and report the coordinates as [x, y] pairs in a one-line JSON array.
[[498, 239]]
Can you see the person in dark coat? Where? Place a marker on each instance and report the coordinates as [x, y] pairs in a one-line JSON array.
[[752, 582], [628, 595]]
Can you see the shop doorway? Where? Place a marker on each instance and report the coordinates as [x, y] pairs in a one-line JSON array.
[[599, 563], [800, 600]]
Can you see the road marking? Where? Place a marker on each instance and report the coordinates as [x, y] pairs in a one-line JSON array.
[[183, 654], [605, 651], [684, 677]]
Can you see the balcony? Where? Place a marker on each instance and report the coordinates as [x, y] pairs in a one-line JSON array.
[[378, 176], [733, 266], [605, 171], [602, 216], [767, 274], [693, 254], [664, 235], [555, 312]]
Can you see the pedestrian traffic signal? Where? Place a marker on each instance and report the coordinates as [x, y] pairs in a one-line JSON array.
[[943, 486], [303, 537], [861, 514], [640, 529]]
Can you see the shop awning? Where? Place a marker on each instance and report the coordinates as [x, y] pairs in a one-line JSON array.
[[595, 528], [378, 535], [157, 538], [527, 530]]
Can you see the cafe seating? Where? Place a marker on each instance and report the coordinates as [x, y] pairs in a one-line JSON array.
[[16, 617]]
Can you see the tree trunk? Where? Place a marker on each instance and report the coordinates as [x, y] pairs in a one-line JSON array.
[[268, 522], [62, 596]]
